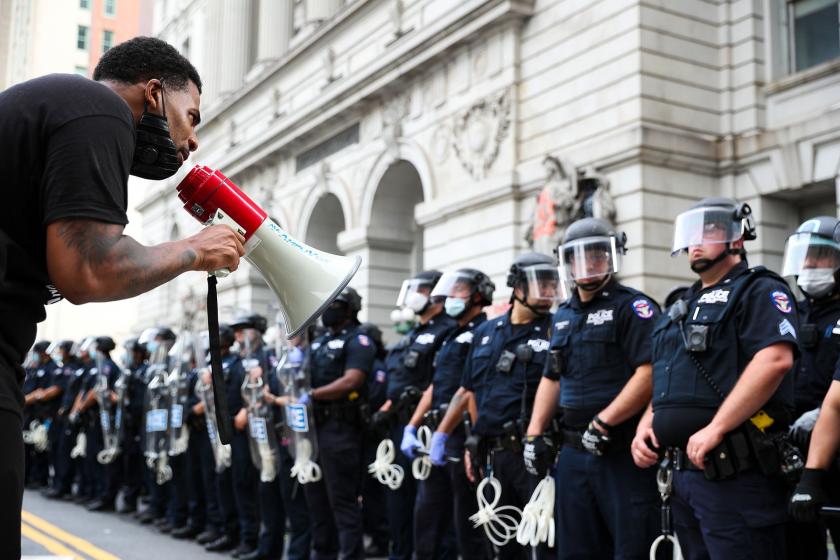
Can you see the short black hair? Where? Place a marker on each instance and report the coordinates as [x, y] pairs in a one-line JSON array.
[[144, 58]]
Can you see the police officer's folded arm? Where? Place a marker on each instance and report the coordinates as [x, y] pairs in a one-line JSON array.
[[90, 260]]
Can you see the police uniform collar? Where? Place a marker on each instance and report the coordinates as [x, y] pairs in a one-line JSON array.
[[605, 292], [734, 272], [480, 318]]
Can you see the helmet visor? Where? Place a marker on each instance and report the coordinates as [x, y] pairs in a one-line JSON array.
[[454, 284], [412, 291], [806, 250], [700, 226], [589, 258], [543, 284]]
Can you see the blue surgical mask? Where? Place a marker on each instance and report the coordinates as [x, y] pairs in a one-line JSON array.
[[455, 307], [151, 346]]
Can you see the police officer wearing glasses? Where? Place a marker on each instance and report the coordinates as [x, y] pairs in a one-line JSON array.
[[599, 367], [722, 396], [812, 257]]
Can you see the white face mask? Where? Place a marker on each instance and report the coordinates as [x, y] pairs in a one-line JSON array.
[[416, 302], [816, 282]]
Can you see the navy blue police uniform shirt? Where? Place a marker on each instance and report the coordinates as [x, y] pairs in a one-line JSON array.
[[334, 353], [233, 374], [136, 394], [75, 385], [111, 372], [499, 394], [450, 359], [377, 384], [67, 151], [409, 362], [747, 311], [819, 343], [596, 347], [48, 373]]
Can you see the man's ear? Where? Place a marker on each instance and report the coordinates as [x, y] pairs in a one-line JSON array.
[[152, 93]]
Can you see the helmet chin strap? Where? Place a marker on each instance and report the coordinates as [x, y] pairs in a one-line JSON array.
[[593, 286], [702, 265], [535, 310]]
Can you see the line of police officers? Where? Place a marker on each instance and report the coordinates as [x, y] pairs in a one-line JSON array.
[[694, 420]]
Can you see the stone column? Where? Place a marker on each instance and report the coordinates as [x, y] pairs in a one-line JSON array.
[[212, 52], [275, 29], [319, 10], [236, 39]]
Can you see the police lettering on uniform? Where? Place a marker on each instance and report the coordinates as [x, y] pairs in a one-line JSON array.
[[445, 496], [812, 257], [409, 366], [501, 373], [600, 367], [722, 396]]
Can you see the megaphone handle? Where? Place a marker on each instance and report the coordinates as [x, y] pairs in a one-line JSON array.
[[223, 418]]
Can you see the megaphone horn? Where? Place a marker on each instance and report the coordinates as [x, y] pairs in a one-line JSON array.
[[304, 279]]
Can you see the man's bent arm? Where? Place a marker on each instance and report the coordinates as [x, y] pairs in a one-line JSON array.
[[545, 404], [459, 403], [89, 260]]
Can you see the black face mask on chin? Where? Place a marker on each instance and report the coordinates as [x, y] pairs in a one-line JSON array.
[[334, 316], [155, 154]]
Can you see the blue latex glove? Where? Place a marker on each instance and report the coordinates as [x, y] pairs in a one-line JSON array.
[[437, 453], [409, 441], [304, 398]]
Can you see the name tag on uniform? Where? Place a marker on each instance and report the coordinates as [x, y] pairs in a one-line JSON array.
[[297, 418], [156, 420], [258, 429], [464, 338], [425, 338], [177, 415]]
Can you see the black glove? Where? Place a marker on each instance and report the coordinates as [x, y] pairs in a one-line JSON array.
[[539, 455], [594, 440], [809, 496], [380, 419]]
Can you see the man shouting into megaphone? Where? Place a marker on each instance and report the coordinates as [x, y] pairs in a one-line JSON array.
[[69, 145]]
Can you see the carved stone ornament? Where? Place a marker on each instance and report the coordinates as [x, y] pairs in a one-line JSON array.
[[440, 144], [276, 103], [478, 133], [394, 112]]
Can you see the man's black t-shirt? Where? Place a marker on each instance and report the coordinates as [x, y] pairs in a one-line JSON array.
[[67, 144]]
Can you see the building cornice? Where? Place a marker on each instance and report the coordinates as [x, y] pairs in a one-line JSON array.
[[413, 53]]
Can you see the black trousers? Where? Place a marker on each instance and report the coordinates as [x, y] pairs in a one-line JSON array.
[[334, 500], [296, 509], [132, 466], [245, 481], [374, 510], [400, 504], [11, 482]]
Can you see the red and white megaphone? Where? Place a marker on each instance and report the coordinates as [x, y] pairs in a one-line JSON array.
[[304, 279]]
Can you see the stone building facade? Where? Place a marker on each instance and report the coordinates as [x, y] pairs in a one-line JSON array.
[[417, 133]]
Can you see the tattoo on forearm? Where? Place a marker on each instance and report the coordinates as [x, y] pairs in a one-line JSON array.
[[136, 268]]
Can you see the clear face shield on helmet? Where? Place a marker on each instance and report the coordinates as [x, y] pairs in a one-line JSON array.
[[54, 352], [457, 288], [87, 348], [707, 225], [589, 260], [813, 260], [412, 300], [542, 285]]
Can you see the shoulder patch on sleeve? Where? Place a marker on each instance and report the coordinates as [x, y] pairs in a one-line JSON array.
[[781, 301], [363, 340], [643, 308]]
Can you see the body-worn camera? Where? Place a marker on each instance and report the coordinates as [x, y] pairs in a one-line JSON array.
[[808, 335], [411, 358], [696, 338], [505, 363]]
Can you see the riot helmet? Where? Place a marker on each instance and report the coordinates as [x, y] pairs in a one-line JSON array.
[[344, 307], [105, 344], [415, 293], [250, 321], [535, 274], [812, 256], [591, 252], [713, 220], [458, 287], [41, 346]]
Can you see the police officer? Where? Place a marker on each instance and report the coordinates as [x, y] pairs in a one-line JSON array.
[[600, 369], [501, 374], [721, 390], [445, 496], [374, 509], [157, 340], [410, 366], [132, 423], [38, 379], [249, 330], [51, 398], [812, 257], [237, 484], [341, 359], [88, 484], [64, 464]]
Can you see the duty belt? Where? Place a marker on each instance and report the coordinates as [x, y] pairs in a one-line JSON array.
[[680, 461], [572, 438], [344, 412], [502, 443]]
